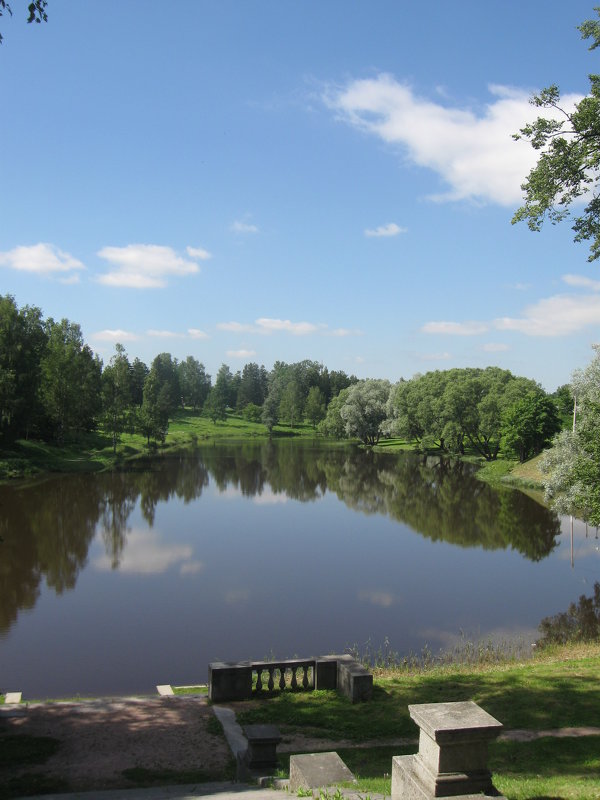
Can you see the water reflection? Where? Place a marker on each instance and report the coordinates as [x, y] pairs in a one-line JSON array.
[[47, 527]]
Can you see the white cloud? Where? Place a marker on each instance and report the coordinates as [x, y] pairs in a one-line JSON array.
[[270, 498], [196, 333], [473, 152], [241, 353], [377, 598], [267, 326], [236, 327], [164, 334], [495, 347], [295, 328], [435, 356], [391, 229], [143, 266], [341, 332], [145, 554], [115, 336], [455, 328], [199, 253], [243, 227], [42, 259], [582, 281], [191, 568], [555, 316]]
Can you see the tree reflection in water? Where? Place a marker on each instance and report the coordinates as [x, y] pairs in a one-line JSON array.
[[47, 527]]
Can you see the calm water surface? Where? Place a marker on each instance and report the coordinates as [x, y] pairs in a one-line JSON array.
[[118, 582]]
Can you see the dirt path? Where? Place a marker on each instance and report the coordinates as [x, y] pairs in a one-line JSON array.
[[99, 739]]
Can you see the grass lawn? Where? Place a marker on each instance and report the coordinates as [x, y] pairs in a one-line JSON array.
[[94, 452], [556, 689]]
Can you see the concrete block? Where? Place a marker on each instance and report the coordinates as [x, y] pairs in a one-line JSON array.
[[262, 746], [12, 698], [326, 672], [317, 770], [165, 690], [353, 680], [229, 681], [411, 782], [452, 757]]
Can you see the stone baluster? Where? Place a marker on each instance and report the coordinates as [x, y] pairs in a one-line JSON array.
[[271, 683], [294, 679], [282, 677], [305, 677], [258, 681]]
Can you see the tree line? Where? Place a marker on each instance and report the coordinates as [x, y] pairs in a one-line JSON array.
[[53, 387]]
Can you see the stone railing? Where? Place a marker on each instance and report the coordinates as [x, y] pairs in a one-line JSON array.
[[277, 671], [235, 680]]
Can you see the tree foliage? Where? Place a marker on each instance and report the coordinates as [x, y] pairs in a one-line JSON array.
[[568, 165], [529, 425], [364, 410], [572, 465], [36, 11]]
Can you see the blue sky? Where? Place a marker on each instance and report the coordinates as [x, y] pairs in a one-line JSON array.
[[253, 181]]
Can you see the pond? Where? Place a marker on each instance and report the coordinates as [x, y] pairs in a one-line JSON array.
[[116, 582]]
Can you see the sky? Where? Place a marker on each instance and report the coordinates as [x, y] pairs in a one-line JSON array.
[[267, 180]]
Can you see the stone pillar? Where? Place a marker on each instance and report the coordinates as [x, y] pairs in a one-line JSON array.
[[452, 757], [229, 681]]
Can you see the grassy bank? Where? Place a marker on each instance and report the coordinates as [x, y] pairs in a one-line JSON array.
[[557, 688], [94, 452]]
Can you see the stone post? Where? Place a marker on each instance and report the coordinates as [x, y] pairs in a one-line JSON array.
[[452, 757]]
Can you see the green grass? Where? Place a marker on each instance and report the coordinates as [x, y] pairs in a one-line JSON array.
[[558, 688], [184, 690], [547, 768], [94, 452]]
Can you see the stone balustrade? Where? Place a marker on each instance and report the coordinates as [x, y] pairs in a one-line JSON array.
[[229, 681]]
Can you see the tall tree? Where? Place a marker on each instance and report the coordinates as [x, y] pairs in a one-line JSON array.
[[70, 381], [116, 395], [365, 410], [193, 382], [139, 373], [22, 342], [529, 425], [315, 409], [572, 465], [568, 166]]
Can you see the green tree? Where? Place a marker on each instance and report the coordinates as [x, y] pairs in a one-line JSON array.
[[153, 416], [529, 425], [252, 412], [333, 425], [572, 465], [315, 409], [227, 386], [139, 373], [194, 383], [70, 381], [365, 410], [215, 406], [290, 405], [116, 395], [165, 370], [253, 386], [22, 343], [568, 166]]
